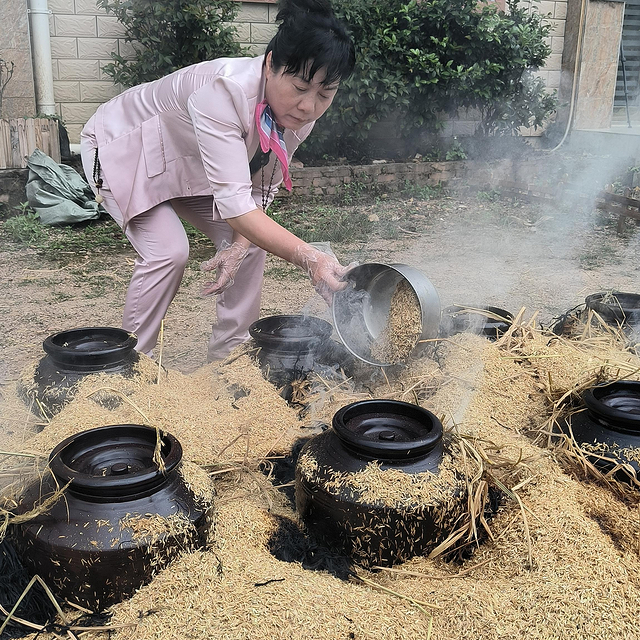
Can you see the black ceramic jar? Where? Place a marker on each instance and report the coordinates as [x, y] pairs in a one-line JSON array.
[[120, 520], [608, 430], [395, 435], [70, 357], [615, 307], [460, 319], [291, 346]]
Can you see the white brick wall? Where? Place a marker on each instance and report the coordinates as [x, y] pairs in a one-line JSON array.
[[109, 27], [558, 12], [74, 26], [83, 37]]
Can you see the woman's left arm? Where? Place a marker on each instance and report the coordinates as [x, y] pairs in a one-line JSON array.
[[324, 270]]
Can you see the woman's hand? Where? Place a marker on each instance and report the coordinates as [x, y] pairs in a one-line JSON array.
[[325, 272], [226, 263]]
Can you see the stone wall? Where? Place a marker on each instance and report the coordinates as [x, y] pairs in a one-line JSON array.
[[387, 177], [312, 181], [540, 175]]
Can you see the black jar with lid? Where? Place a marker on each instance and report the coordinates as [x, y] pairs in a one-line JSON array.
[[608, 428], [289, 347], [121, 518], [394, 435], [615, 307], [70, 357], [491, 322]]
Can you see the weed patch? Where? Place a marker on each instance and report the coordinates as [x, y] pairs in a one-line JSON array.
[[284, 271], [318, 223], [24, 229]]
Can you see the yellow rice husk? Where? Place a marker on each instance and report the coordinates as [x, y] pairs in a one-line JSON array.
[[221, 413], [403, 327], [559, 560]]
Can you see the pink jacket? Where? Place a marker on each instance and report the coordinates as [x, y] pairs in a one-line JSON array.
[[190, 133]]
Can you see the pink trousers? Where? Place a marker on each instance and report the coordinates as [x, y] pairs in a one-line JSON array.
[[163, 249]]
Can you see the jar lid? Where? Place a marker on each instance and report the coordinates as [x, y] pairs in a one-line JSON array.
[[115, 462], [615, 306], [459, 318], [89, 348], [290, 332], [387, 429], [616, 404]]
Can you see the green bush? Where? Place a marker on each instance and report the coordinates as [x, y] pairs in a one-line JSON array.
[[171, 34], [419, 61]]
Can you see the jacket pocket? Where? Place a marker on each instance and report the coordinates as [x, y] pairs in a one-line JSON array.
[[153, 147]]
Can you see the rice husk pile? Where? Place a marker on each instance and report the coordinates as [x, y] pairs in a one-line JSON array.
[[403, 328], [388, 487], [221, 413], [239, 590], [557, 575], [559, 560]]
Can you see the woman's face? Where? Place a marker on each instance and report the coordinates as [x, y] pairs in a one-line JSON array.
[[294, 101]]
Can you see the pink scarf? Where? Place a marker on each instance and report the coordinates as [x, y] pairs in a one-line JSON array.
[[271, 139]]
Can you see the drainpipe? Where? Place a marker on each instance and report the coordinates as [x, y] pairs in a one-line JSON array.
[[41, 57], [576, 73]]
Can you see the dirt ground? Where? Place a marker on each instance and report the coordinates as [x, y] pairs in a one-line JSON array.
[[475, 250]]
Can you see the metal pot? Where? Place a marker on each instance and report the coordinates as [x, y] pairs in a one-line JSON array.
[[361, 311]]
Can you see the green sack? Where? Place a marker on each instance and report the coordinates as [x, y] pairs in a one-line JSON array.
[[58, 193]]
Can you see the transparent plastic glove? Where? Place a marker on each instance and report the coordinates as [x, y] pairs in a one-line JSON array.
[[225, 263], [324, 270]]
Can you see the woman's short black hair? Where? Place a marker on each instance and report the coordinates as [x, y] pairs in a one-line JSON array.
[[310, 38]]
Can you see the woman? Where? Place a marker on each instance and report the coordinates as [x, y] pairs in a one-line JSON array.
[[211, 144]]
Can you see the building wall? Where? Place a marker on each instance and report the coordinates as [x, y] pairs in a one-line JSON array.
[[555, 12], [599, 66], [83, 36], [18, 95]]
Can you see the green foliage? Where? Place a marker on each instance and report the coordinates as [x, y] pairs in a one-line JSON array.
[[353, 192], [456, 151], [418, 61], [426, 192], [489, 196], [25, 228], [91, 237], [170, 34]]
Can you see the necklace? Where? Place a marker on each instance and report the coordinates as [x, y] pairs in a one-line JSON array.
[[265, 194], [96, 177]]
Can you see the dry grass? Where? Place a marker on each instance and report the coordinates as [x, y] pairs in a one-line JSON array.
[[566, 366]]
